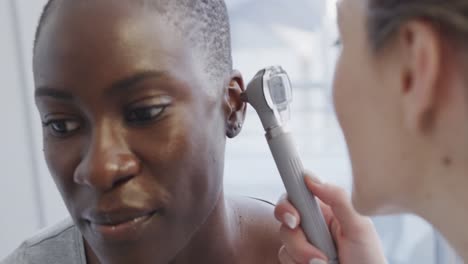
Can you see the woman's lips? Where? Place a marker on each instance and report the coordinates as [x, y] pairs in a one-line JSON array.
[[121, 226]]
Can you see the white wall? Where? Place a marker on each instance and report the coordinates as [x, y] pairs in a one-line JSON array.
[[28, 199], [53, 208], [18, 196]]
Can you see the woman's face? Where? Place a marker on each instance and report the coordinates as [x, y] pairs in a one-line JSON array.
[[131, 137], [366, 101]]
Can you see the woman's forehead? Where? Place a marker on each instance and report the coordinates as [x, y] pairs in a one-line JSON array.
[[107, 39], [98, 21], [85, 43]]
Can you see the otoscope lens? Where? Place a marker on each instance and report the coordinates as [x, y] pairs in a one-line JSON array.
[[277, 90]]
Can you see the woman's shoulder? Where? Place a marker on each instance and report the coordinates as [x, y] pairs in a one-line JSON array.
[[259, 229], [60, 243]]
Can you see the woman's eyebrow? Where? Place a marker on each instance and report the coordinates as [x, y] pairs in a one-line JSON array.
[[52, 92], [120, 86], [125, 84]]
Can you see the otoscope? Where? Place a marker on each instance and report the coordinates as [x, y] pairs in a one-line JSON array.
[[270, 94]]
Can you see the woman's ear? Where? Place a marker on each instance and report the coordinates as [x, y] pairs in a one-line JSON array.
[[235, 107], [423, 48]]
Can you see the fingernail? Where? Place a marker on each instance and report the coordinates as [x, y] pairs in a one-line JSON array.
[[314, 179], [317, 261], [290, 220]]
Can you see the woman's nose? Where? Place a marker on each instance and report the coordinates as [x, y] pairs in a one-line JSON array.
[[108, 161]]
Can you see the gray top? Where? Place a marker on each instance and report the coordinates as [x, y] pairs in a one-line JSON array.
[[59, 244]]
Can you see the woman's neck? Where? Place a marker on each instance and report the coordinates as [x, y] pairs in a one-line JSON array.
[[445, 206], [217, 240]]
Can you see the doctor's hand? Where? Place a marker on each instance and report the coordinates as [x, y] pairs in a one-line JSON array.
[[355, 236]]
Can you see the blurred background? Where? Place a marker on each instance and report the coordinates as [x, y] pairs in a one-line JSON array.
[[300, 39]]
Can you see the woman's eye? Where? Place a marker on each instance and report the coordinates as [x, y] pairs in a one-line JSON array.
[[62, 127], [144, 114]]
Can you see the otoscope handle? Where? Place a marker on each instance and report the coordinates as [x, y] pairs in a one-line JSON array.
[[291, 170]]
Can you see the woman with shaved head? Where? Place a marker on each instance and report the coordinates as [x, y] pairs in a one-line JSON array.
[[136, 100]]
